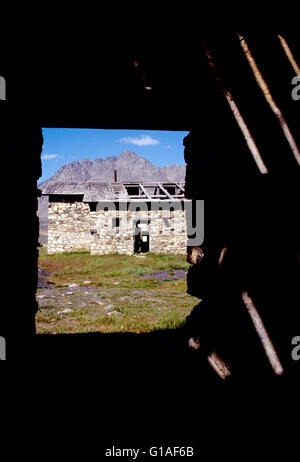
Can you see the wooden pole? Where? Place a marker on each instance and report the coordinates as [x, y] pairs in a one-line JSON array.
[[269, 98], [262, 334], [289, 54], [236, 112]]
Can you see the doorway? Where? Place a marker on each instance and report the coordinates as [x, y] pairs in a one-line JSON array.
[[141, 236]]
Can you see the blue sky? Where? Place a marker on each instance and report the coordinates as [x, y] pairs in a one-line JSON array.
[[64, 145]]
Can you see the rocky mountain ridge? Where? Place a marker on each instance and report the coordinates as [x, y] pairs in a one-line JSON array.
[[129, 167]]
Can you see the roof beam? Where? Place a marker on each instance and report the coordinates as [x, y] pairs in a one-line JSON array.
[[144, 191], [165, 191], [180, 187]]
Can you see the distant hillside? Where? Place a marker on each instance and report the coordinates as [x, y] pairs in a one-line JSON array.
[[129, 166]]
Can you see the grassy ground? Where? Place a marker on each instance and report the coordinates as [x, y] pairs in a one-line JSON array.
[[108, 294]]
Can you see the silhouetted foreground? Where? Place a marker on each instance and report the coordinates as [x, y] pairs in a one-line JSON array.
[[144, 387]]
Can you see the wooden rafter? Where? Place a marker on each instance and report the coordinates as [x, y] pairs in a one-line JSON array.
[[165, 191], [180, 187], [144, 191]]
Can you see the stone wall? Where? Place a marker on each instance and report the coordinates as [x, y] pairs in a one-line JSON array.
[[74, 226], [108, 239], [68, 227], [168, 232]]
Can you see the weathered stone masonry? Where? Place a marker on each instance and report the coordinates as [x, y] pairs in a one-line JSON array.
[[68, 227], [74, 226], [103, 230]]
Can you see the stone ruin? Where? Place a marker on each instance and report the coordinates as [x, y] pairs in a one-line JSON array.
[[123, 218]]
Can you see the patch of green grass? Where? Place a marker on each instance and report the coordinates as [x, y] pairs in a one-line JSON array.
[[139, 305]]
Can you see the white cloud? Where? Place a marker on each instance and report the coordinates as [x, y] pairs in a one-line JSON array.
[[143, 140], [49, 156]]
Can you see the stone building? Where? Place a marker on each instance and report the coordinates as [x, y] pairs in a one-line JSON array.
[[125, 218]]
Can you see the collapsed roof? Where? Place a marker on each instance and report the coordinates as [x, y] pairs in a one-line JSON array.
[[95, 192]]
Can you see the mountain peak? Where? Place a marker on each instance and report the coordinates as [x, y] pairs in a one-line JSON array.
[[127, 153], [129, 165]]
